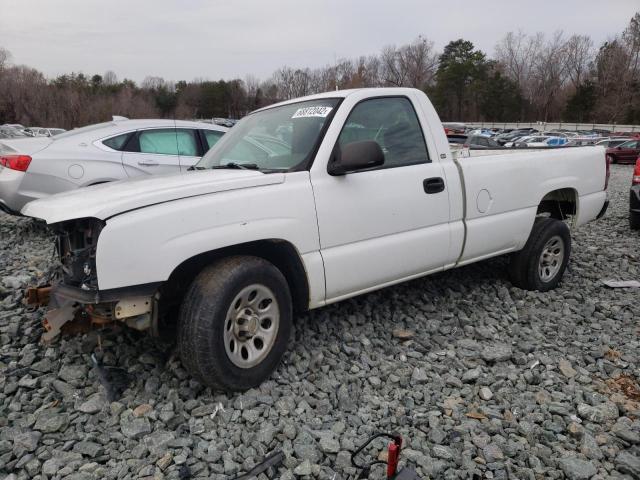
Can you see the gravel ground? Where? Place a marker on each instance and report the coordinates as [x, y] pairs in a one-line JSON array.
[[495, 382]]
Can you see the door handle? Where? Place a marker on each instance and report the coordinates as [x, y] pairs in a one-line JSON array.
[[433, 185], [148, 163]]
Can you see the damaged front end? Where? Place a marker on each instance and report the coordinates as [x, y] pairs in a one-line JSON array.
[[75, 302], [76, 244]]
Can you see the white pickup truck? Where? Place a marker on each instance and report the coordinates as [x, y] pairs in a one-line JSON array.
[[348, 192]]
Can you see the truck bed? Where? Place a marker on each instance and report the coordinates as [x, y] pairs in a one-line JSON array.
[[503, 188]]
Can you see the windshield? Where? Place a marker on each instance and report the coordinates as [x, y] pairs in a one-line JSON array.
[[279, 138]]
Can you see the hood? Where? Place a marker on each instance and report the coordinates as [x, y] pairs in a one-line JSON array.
[[109, 199], [24, 146]]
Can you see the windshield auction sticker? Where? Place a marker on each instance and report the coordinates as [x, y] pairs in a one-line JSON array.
[[307, 112]]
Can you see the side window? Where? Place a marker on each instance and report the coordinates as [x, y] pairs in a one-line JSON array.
[[393, 124], [117, 143], [482, 141], [212, 136], [161, 140], [187, 143]]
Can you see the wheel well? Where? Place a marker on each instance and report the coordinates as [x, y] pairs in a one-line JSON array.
[[560, 204], [280, 253]]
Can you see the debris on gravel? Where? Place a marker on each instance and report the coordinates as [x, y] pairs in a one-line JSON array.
[[479, 377]]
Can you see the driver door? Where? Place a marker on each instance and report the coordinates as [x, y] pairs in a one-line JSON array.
[[388, 223]]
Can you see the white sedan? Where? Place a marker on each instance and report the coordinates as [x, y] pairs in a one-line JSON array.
[[32, 168]]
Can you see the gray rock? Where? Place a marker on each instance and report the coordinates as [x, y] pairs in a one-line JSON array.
[[440, 451], [419, 376], [329, 444], [576, 469], [492, 453], [27, 441], [625, 433], [93, 404], [135, 427], [485, 393], [602, 413], [343, 459], [88, 449], [267, 433], [628, 463], [73, 373], [497, 353], [49, 421], [304, 469], [589, 448], [470, 376], [566, 368]]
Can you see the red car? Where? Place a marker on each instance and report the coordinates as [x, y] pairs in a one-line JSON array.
[[624, 153], [634, 199]]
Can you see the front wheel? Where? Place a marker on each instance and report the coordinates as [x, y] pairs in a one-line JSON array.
[[540, 265], [235, 323]]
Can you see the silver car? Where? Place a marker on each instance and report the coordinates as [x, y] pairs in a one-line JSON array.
[[32, 168]]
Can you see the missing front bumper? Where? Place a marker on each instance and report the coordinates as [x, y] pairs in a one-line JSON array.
[[75, 310]]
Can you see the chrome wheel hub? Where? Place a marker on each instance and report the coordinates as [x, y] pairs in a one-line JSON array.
[[251, 326], [551, 259]]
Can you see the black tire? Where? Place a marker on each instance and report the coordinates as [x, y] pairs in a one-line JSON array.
[[634, 221], [204, 318], [525, 267]]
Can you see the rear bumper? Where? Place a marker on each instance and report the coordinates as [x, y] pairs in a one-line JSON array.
[[11, 201], [634, 199], [604, 210]]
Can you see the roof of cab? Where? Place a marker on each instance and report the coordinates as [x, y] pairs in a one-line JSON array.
[[337, 94]]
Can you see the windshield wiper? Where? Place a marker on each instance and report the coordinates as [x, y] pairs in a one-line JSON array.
[[195, 167], [237, 166]]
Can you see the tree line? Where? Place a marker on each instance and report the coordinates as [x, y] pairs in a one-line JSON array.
[[528, 78]]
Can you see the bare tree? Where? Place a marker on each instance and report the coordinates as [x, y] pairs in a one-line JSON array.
[[612, 79], [109, 78], [579, 49], [5, 57], [418, 62], [516, 54], [292, 83], [549, 75], [392, 72], [153, 83]]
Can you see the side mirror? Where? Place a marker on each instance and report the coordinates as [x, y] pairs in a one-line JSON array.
[[356, 156]]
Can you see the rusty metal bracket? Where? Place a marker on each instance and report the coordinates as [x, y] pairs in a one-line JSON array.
[[133, 307], [55, 319], [37, 296]]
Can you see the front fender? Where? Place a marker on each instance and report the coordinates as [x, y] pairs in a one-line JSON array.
[[145, 245]]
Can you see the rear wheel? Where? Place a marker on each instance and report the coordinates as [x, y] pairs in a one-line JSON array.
[[235, 323], [540, 265]]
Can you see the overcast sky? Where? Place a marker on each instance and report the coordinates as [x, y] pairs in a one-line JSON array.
[[212, 39]]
